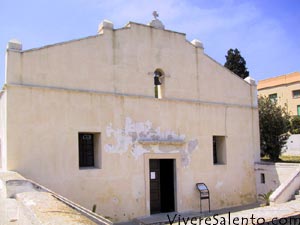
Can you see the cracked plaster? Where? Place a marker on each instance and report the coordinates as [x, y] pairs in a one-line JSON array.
[[127, 139]]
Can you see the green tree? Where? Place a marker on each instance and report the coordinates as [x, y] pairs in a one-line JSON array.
[[274, 124], [265, 197], [295, 125], [236, 63]]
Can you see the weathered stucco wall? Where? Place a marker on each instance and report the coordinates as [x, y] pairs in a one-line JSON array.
[[102, 84], [49, 153], [3, 130], [120, 61]]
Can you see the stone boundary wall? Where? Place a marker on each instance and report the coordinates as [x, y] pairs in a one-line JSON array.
[[26, 202], [269, 176]]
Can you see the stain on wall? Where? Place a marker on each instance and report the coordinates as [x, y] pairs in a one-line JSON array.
[[142, 137]]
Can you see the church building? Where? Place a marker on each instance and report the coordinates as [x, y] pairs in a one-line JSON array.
[[130, 120]]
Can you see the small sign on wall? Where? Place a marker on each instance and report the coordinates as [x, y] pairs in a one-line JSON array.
[[152, 175]]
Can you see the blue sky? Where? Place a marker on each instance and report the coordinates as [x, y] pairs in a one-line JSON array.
[[267, 32]]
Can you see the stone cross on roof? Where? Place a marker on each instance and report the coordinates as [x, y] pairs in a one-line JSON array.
[[156, 23], [155, 14]]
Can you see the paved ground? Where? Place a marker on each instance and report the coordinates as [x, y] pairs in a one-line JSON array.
[[239, 215]]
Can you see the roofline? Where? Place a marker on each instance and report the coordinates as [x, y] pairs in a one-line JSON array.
[[279, 76], [60, 43], [279, 85], [127, 26], [148, 26], [265, 84], [228, 70]]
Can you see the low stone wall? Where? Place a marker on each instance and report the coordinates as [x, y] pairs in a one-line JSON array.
[[286, 191], [26, 202], [269, 176]]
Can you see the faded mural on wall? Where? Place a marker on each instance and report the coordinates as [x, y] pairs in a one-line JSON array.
[[142, 137]]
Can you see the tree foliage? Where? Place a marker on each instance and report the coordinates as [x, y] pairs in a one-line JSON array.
[[265, 197], [236, 63], [274, 122], [295, 125]]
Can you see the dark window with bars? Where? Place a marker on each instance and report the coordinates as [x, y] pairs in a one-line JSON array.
[[86, 150]]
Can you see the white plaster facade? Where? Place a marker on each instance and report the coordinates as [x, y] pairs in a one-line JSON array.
[[104, 84]]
